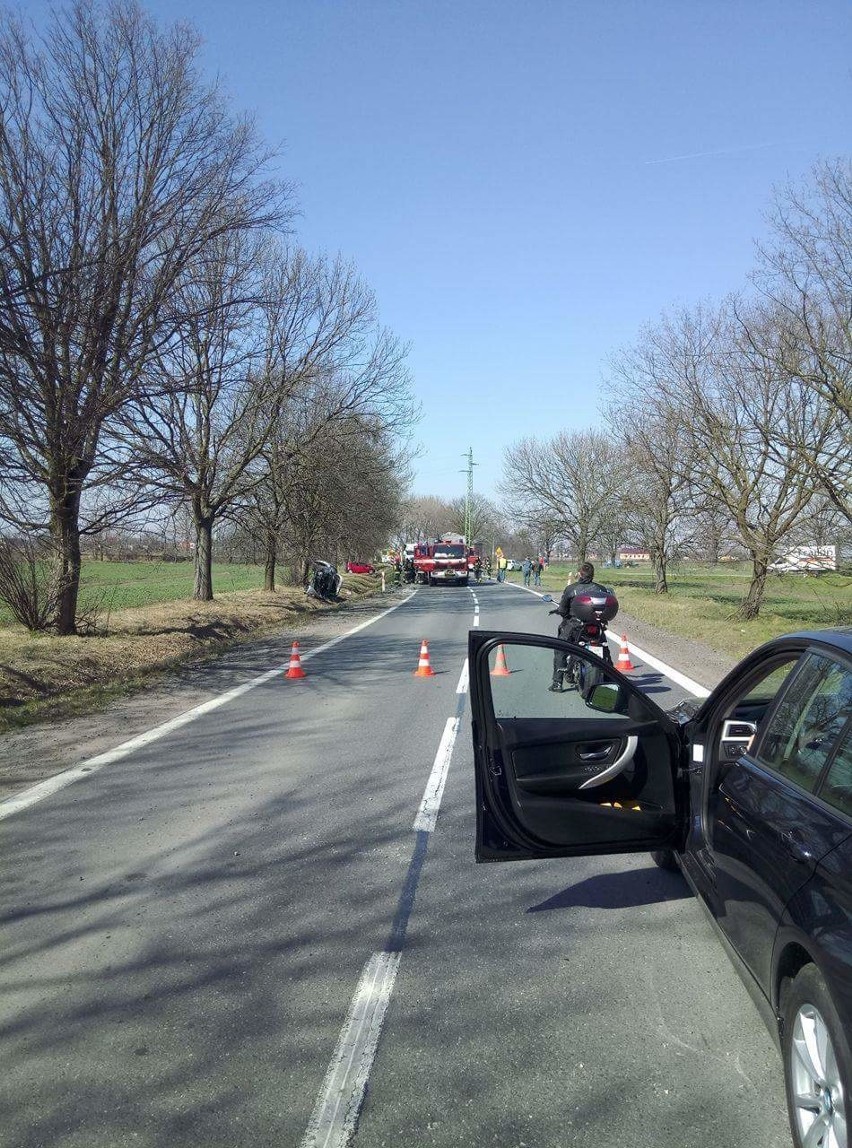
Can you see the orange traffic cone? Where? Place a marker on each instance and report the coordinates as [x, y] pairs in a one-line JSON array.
[[501, 670], [624, 664], [424, 667], [295, 670]]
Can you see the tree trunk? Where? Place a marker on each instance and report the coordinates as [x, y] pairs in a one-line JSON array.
[[270, 561], [65, 531], [203, 558], [661, 585], [750, 605]]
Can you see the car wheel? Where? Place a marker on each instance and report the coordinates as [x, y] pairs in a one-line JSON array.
[[817, 1063], [665, 859]]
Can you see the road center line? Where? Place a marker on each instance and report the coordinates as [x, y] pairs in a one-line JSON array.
[[44, 789], [461, 688], [427, 815], [335, 1113]]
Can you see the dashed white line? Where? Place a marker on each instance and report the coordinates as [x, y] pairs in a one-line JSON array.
[[464, 679], [335, 1113], [427, 815]]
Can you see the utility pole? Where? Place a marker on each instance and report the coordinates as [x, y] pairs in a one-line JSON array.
[[468, 503]]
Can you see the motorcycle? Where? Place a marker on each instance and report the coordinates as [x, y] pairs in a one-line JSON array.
[[325, 582], [589, 617]]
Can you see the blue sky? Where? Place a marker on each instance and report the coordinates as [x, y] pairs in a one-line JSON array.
[[509, 177]]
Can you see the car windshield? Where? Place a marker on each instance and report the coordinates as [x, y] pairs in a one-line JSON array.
[[449, 551]]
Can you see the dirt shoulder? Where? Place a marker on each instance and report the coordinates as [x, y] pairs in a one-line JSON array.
[[39, 751]]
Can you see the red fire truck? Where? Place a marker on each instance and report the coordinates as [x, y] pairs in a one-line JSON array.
[[445, 560]]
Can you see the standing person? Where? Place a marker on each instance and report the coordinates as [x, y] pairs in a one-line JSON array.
[[526, 570], [538, 567], [502, 567], [570, 627]]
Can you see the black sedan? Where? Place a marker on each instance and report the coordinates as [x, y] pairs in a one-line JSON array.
[[750, 793]]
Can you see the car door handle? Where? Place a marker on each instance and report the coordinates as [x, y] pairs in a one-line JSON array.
[[618, 766], [796, 847], [596, 754]]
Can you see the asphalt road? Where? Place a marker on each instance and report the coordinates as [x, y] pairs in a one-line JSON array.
[[184, 931]]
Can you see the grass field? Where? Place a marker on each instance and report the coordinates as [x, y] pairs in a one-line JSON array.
[[703, 600], [109, 586]]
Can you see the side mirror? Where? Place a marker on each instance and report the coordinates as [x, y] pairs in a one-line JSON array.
[[605, 697]]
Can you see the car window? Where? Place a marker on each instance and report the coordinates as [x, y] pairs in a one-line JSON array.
[[522, 676], [804, 729], [765, 689], [744, 711], [837, 787]]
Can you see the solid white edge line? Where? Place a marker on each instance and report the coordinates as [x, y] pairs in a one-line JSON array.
[[427, 815], [668, 671], [461, 688], [335, 1113], [44, 789]]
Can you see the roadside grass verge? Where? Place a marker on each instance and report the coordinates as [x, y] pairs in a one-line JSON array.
[[702, 602], [44, 677]]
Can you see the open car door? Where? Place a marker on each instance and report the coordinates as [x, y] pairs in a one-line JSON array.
[[582, 769]]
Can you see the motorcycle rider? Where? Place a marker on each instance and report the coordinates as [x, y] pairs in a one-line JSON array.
[[570, 627]]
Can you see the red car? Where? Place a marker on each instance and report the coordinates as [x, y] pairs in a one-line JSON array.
[[360, 568]]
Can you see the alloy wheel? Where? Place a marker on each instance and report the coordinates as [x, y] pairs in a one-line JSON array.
[[819, 1100]]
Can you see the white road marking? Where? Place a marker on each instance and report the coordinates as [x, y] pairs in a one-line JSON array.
[[461, 688], [427, 815], [44, 789], [673, 675], [335, 1113]]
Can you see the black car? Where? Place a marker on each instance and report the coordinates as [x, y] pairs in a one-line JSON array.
[[749, 792]]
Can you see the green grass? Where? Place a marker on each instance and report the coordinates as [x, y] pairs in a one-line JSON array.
[[108, 586], [702, 601]]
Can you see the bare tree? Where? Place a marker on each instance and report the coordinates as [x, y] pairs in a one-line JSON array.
[[486, 520], [719, 370], [806, 270], [211, 406], [345, 498], [117, 169], [338, 369], [424, 517], [570, 480], [652, 439]]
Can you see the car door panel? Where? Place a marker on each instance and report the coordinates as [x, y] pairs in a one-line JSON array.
[[566, 780], [767, 831]]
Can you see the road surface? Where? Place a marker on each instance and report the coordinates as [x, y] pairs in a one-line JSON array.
[[234, 935]]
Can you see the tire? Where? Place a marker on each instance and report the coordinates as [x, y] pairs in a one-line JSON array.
[[817, 1063], [665, 859]]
